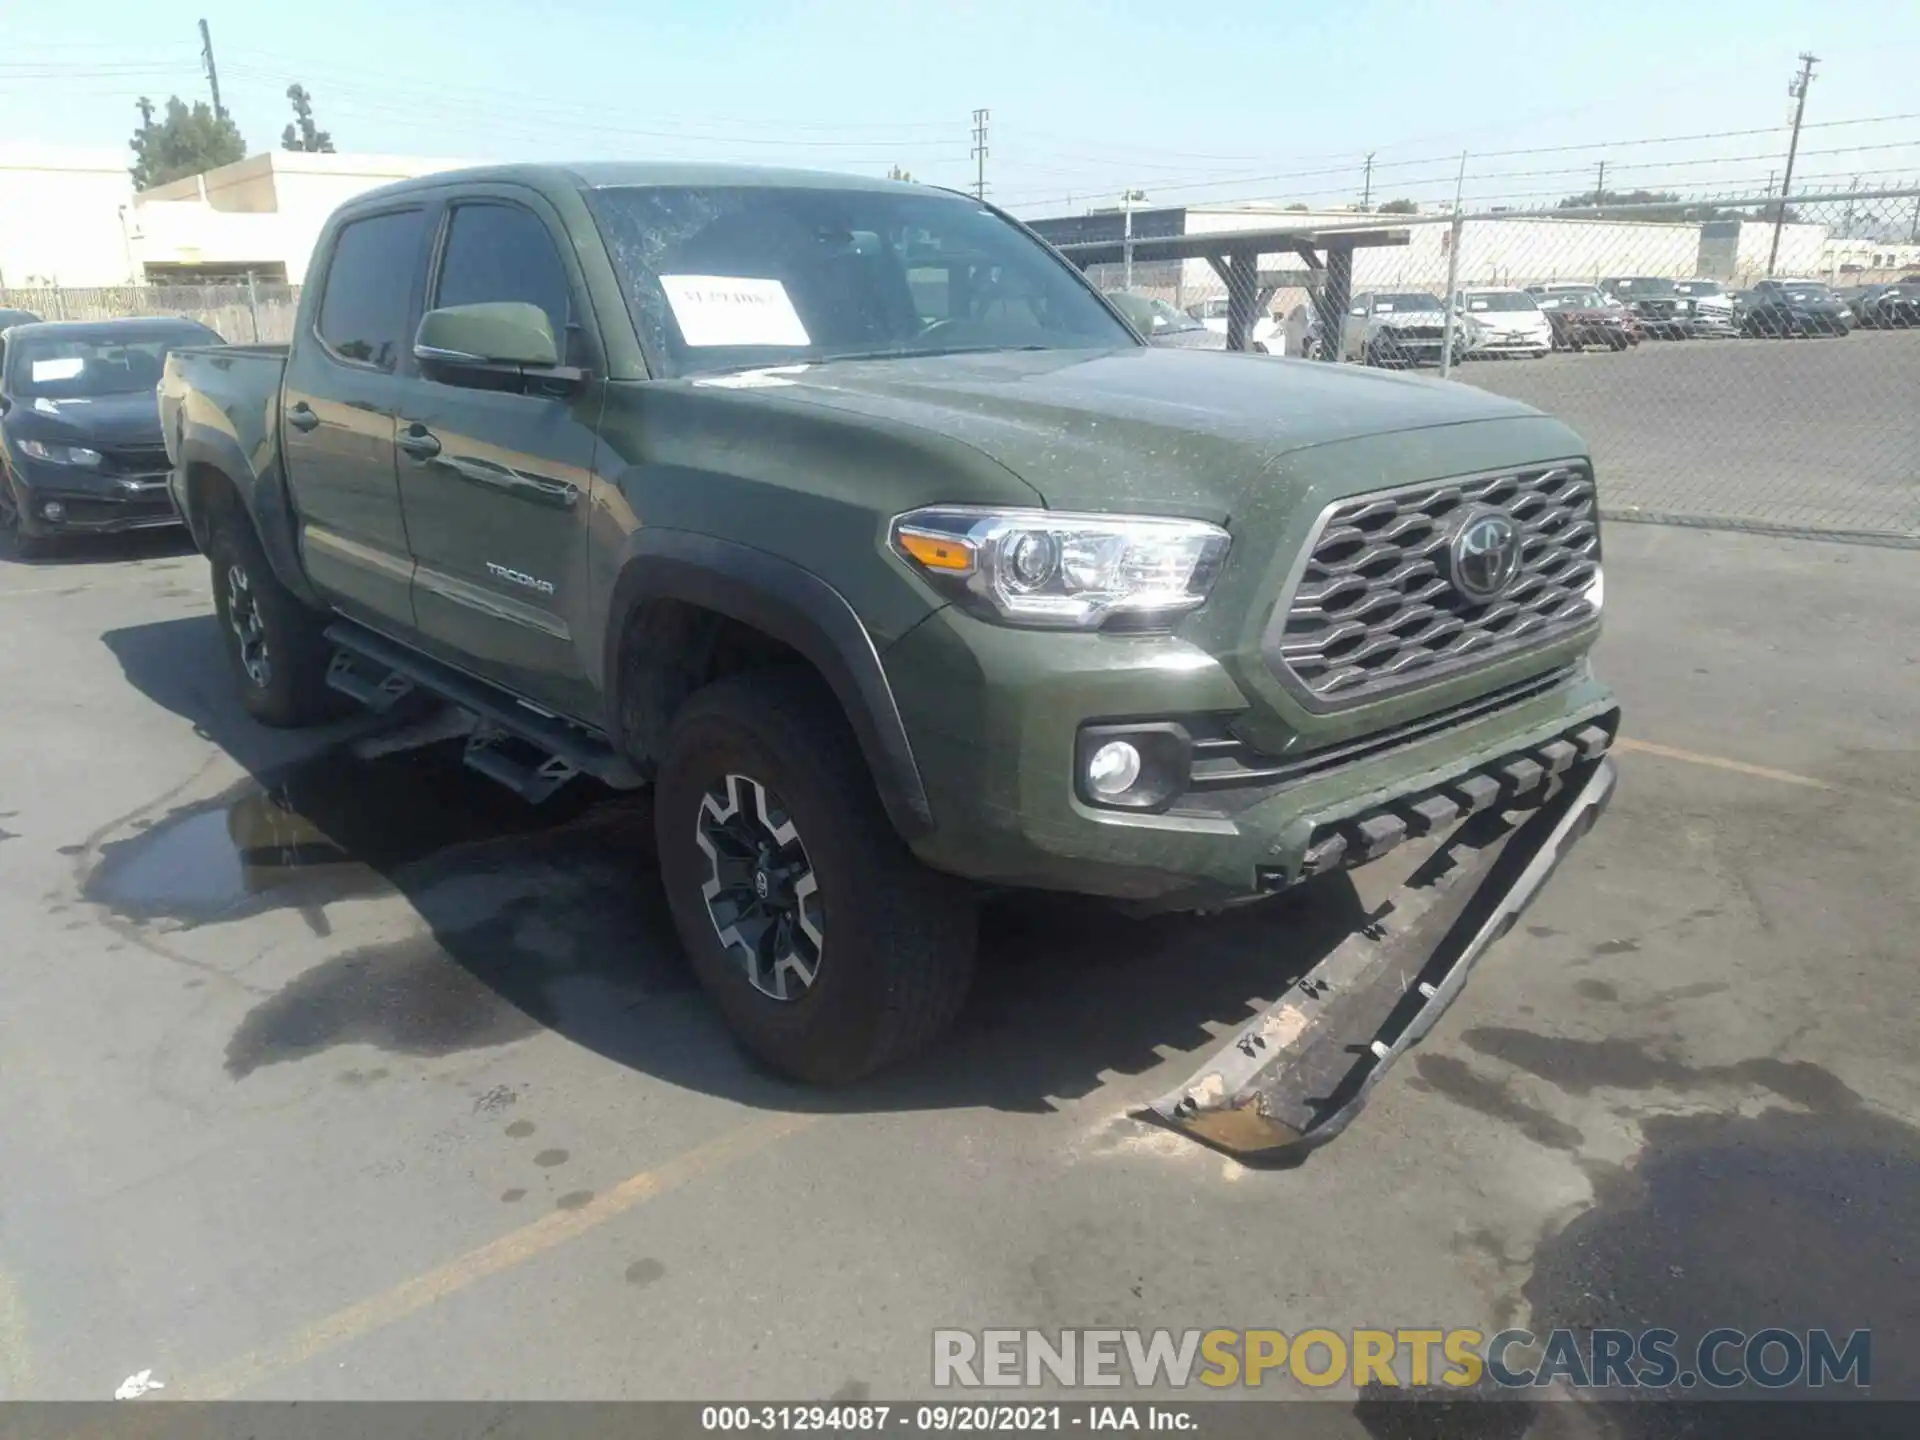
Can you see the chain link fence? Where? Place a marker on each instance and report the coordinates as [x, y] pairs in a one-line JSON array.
[[242, 314], [1726, 369]]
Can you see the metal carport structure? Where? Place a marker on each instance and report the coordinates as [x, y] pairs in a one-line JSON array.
[[1235, 256]]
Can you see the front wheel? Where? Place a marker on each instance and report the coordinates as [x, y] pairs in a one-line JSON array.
[[26, 544], [274, 644], [831, 951]]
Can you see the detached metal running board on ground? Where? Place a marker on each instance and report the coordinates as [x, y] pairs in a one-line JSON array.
[[1302, 1069]]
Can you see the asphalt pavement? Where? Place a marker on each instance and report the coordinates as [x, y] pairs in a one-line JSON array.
[[1813, 434], [341, 1075]]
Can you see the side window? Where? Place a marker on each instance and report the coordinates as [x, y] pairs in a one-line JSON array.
[[369, 287], [501, 252]]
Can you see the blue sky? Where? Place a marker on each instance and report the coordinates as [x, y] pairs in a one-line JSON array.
[[1186, 101]]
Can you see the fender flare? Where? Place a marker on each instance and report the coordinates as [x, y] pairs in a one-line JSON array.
[[795, 607], [262, 496]]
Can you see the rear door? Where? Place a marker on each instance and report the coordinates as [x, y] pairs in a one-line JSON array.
[[337, 416], [494, 482]]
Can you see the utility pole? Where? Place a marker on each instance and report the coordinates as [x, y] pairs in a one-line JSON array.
[[1846, 223], [980, 154], [1126, 236], [213, 74], [1366, 188], [1456, 232], [1600, 186], [1797, 88]]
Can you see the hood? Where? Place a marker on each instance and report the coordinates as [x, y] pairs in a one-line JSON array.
[[1500, 322], [130, 419], [1406, 319], [1141, 429]]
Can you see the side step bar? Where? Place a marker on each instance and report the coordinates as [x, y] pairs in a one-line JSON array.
[[1298, 1074], [529, 751]]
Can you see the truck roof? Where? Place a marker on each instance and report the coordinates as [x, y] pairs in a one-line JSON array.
[[608, 174]]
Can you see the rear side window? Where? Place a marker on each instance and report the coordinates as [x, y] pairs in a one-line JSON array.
[[369, 287], [501, 252]]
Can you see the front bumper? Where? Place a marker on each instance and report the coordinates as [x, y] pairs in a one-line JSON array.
[[994, 716], [1300, 1071], [90, 502]]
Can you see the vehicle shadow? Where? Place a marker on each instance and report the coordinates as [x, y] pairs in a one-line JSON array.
[[553, 917]]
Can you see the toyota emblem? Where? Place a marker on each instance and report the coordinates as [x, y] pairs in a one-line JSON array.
[[1484, 555], [762, 887]]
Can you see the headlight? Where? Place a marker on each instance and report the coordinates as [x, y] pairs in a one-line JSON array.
[[1061, 571], [60, 454]]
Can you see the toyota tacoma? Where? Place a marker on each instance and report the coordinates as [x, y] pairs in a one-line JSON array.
[[851, 519]]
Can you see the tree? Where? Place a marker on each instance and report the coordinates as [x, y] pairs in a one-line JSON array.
[[1664, 205], [303, 134], [1399, 207], [896, 173], [185, 142], [1297, 206]]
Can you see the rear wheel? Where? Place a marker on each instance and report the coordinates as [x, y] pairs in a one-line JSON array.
[[273, 642], [831, 951]]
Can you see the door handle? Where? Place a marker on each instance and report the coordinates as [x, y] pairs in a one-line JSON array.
[[419, 442], [302, 417]]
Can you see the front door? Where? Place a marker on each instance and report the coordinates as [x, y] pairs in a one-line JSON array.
[[337, 419], [495, 483]]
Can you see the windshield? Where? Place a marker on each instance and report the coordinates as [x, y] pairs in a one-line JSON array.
[[734, 277], [1499, 300], [1803, 292], [1413, 300], [1699, 287], [84, 367]]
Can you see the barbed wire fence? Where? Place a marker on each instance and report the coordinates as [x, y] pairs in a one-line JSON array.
[[1739, 362]]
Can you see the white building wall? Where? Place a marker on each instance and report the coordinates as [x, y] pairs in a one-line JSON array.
[[60, 217]]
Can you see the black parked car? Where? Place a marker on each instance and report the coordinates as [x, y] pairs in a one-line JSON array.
[[1656, 302], [1885, 307], [1779, 308], [80, 442]]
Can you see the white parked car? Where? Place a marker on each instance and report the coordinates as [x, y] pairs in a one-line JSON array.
[[1266, 335], [1503, 321], [1711, 305]]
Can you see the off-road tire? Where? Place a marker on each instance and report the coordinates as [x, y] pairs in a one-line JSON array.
[[292, 691], [897, 949]]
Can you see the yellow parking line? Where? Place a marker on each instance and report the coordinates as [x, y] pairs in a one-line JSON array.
[[553, 1229], [1758, 772]]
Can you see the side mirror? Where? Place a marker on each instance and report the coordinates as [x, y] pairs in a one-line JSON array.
[[505, 332], [490, 344]]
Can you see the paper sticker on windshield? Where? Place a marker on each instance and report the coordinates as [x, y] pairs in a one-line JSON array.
[[733, 310], [65, 368]]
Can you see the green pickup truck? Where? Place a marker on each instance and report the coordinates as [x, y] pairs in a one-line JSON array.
[[847, 516]]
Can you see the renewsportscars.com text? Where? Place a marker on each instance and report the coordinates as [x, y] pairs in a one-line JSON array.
[[1652, 1359]]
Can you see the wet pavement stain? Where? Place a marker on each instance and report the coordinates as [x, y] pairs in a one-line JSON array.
[[1797, 1219], [574, 1200], [645, 1272], [513, 1196], [1580, 1067], [1595, 990], [547, 1159], [327, 827], [520, 1129], [1493, 1097], [410, 998]]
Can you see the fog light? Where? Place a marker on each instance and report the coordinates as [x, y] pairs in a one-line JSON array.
[[1113, 769], [54, 510]]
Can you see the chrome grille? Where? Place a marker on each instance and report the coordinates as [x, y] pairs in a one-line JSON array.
[[1373, 612]]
